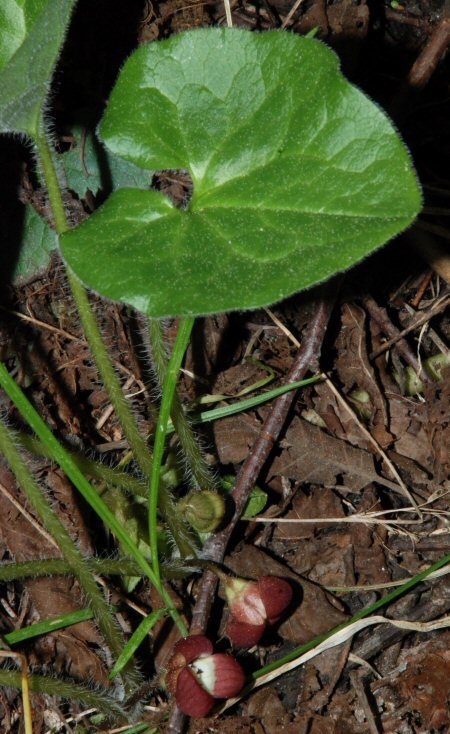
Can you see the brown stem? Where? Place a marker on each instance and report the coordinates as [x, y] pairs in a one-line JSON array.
[[423, 68], [419, 320], [307, 359], [381, 318], [426, 63], [215, 547]]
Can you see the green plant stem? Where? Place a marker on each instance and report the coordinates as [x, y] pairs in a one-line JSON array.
[[168, 391], [90, 698], [48, 170], [67, 546], [122, 480], [109, 376], [106, 369], [115, 478], [137, 443], [176, 523], [201, 474], [64, 460], [95, 469], [91, 330], [11, 571]]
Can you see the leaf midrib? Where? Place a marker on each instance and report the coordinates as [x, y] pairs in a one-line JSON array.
[[282, 209], [285, 155]]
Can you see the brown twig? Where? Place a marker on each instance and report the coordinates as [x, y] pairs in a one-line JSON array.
[[423, 68], [307, 359], [379, 315], [426, 63], [415, 323], [404, 19], [215, 547], [418, 77], [358, 685], [422, 289]]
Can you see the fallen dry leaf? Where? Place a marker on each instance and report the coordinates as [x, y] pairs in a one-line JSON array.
[[418, 687], [355, 370], [312, 455]]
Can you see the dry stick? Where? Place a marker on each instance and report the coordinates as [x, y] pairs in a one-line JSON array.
[[20, 508], [26, 706], [427, 61], [423, 68], [432, 334], [307, 359], [423, 318], [291, 13], [418, 77], [422, 289], [400, 17], [400, 486], [380, 316]]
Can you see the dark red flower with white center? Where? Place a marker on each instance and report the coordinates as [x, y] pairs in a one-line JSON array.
[[196, 676], [253, 605]]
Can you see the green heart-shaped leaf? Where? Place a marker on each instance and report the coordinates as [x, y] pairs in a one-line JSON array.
[[31, 35], [296, 175]]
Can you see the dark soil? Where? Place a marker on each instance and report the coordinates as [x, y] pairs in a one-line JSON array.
[[329, 461]]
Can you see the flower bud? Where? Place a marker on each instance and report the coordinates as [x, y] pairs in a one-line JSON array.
[[203, 509], [253, 605], [361, 402], [196, 676]]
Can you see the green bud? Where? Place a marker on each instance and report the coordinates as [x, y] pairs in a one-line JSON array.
[[203, 509], [435, 365], [413, 383], [361, 402]]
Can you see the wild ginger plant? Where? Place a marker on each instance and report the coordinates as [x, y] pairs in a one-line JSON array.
[[296, 175]]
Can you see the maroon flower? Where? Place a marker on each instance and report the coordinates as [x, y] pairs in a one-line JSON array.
[[253, 605], [196, 676]]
